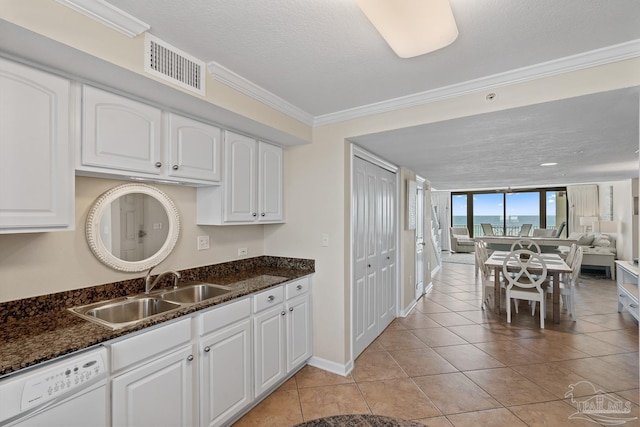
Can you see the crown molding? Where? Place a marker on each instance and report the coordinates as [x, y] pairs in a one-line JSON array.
[[615, 53], [108, 15], [242, 85], [606, 55]]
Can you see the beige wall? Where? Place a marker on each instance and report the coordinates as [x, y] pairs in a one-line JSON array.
[[317, 180], [34, 264]]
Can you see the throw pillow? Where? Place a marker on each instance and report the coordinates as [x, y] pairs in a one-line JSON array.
[[586, 240], [602, 240]]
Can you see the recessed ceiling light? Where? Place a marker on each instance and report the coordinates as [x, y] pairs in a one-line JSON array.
[[548, 164]]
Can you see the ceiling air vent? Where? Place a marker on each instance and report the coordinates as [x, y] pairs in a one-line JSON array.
[[173, 65]]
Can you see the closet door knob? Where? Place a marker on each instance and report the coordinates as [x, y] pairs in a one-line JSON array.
[[207, 349], [174, 167], [158, 164]]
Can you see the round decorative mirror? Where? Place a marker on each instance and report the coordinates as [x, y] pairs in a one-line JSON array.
[[132, 227]]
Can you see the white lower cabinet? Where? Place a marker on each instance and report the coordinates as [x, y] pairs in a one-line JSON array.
[[282, 332], [269, 338], [225, 362], [153, 381], [208, 368], [158, 393]]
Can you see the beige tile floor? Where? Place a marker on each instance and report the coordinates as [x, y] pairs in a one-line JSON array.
[[450, 363]]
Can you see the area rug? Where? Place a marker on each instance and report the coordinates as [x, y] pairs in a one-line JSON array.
[[363, 420], [461, 258]]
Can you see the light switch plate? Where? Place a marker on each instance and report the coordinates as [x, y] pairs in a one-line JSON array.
[[325, 240], [203, 243]]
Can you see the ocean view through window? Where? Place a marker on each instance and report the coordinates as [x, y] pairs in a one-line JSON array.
[[508, 212]]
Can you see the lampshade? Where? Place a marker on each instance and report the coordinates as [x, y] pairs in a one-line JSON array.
[[412, 27], [588, 220]]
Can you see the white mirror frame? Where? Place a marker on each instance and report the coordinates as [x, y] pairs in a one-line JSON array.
[[104, 202]]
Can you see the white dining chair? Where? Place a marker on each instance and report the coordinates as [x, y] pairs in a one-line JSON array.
[[486, 274], [525, 244], [526, 276], [568, 283]]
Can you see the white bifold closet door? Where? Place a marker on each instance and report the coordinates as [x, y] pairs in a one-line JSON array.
[[374, 246]]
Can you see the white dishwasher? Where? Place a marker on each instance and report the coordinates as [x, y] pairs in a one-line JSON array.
[[68, 392]]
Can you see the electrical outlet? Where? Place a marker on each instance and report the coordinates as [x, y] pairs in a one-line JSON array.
[[203, 243], [242, 251]]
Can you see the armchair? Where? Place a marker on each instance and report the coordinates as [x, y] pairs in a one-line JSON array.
[[460, 240]]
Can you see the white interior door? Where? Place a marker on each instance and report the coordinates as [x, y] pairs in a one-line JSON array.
[[374, 252], [419, 238]]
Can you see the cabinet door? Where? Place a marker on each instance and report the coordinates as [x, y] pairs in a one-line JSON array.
[[240, 175], [120, 133], [159, 393], [270, 182], [225, 376], [269, 348], [194, 149], [36, 167], [298, 331]]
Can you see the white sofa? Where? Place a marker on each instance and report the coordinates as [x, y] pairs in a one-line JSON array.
[[599, 250]]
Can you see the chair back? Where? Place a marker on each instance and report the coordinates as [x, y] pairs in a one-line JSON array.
[[524, 272], [481, 257], [571, 254], [525, 229], [563, 224], [525, 244], [487, 229], [576, 265]]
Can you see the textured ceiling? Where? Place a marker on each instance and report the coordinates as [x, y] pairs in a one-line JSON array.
[[324, 56]]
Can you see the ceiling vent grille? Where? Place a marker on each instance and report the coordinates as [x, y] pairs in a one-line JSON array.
[[173, 65]]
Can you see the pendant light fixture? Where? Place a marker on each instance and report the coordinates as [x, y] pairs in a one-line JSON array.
[[412, 27]]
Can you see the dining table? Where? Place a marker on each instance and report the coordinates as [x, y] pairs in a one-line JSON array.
[[555, 266]]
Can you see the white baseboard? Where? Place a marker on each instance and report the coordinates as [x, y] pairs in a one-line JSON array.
[[330, 366], [406, 311], [428, 287]]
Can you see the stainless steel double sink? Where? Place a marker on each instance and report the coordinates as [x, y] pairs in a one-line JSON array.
[[126, 311]]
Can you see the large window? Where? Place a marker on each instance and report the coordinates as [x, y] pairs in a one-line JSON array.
[[459, 210], [507, 212], [488, 209]]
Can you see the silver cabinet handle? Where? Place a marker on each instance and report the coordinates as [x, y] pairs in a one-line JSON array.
[[262, 214], [290, 308], [190, 357], [299, 287], [174, 167], [270, 298], [633, 305], [254, 214], [283, 313], [158, 164], [622, 295], [207, 349]]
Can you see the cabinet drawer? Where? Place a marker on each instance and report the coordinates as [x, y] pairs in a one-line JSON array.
[[219, 317], [297, 287], [149, 344], [269, 298]]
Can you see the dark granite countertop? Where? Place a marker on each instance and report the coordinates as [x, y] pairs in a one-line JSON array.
[[38, 329]]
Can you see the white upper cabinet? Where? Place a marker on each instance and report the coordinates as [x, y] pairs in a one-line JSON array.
[[36, 155], [240, 178], [194, 149], [124, 137], [270, 183], [252, 190], [119, 133]]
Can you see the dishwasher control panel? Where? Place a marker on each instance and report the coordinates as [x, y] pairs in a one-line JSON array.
[[62, 379]]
